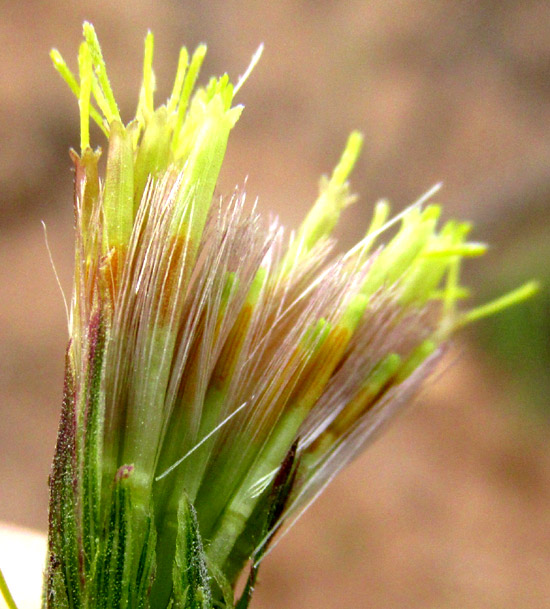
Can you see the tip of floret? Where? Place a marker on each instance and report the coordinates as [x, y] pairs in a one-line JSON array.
[[349, 158], [517, 296]]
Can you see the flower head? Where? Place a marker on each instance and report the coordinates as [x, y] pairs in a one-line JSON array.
[[220, 373]]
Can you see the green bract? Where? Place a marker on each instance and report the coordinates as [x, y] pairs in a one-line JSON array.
[[219, 374]]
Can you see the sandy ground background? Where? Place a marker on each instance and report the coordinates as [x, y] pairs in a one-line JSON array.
[[450, 509]]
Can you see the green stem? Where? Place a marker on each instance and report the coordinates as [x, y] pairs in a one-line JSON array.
[[5, 591]]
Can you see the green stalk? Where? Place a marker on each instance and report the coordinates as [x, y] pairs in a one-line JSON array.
[[5, 591]]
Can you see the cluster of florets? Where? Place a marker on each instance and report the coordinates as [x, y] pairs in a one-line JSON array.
[[219, 373]]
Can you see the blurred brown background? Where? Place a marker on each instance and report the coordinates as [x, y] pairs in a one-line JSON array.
[[450, 509]]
